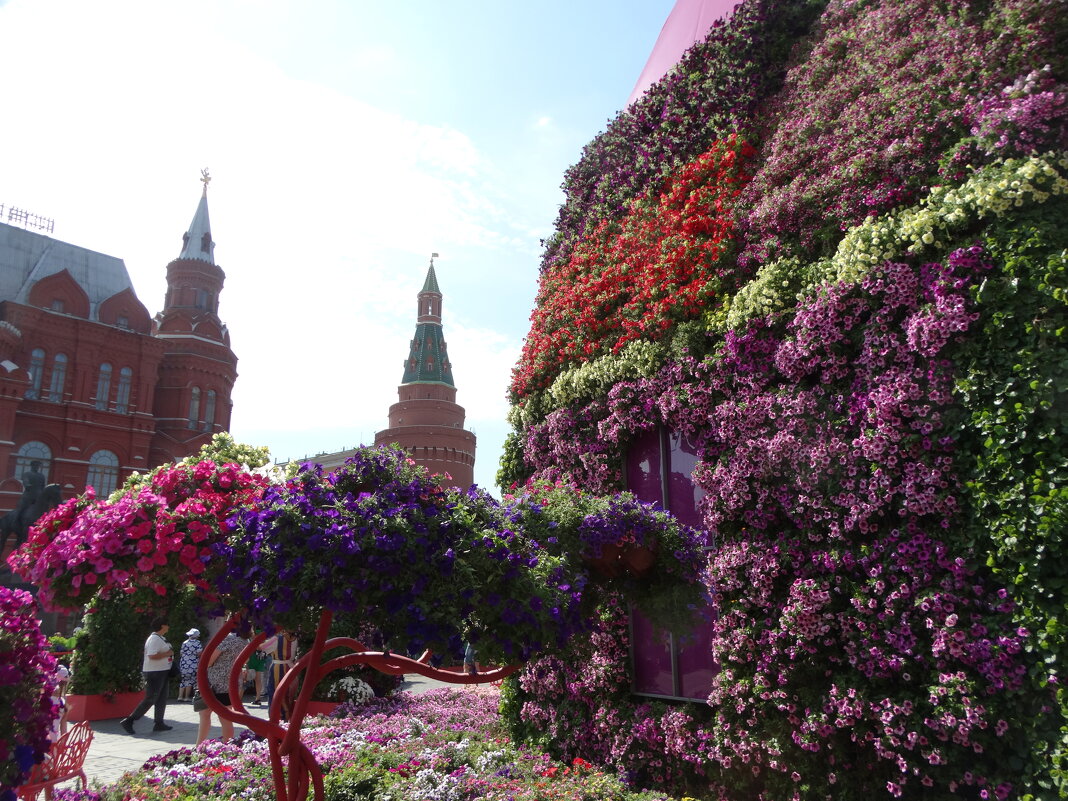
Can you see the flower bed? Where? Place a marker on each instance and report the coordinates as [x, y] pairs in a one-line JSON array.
[[445, 744]]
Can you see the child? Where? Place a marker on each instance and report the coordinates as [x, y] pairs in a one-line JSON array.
[[62, 679]]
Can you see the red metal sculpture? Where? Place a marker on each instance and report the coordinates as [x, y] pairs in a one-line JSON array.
[[292, 763]]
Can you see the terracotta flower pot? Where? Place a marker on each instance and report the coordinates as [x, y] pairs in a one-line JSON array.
[[607, 565], [639, 559], [322, 707]]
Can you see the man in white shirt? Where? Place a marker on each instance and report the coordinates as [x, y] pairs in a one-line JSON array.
[[157, 671]]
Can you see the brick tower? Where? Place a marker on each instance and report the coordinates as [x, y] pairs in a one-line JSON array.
[[198, 369], [426, 420]]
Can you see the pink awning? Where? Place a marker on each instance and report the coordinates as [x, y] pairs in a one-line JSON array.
[[688, 23]]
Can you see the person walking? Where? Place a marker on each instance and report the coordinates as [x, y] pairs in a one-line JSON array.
[[220, 664], [259, 663], [283, 653], [156, 668], [189, 656], [470, 665]]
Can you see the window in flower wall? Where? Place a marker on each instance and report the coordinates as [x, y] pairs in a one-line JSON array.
[[659, 466]]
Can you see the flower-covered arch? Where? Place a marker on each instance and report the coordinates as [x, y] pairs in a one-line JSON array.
[[430, 569]]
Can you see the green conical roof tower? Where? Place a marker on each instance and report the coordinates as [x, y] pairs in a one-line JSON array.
[[426, 420], [428, 360]]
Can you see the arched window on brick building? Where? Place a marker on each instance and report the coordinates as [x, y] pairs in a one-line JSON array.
[[37, 360], [209, 410], [122, 392], [58, 379], [194, 407], [103, 473], [659, 465], [33, 451], [103, 386]]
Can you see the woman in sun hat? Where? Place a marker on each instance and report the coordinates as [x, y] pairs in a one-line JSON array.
[[187, 664]]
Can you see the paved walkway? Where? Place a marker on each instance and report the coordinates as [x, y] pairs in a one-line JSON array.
[[113, 752]]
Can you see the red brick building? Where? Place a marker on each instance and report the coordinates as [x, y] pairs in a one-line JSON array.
[[91, 385], [426, 420]]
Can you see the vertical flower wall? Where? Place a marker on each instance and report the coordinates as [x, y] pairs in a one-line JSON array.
[[829, 250], [27, 679]]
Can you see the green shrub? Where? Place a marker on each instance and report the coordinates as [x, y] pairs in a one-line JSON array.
[[108, 649], [1014, 443]]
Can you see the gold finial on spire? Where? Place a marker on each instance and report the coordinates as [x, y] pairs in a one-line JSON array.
[[205, 179]]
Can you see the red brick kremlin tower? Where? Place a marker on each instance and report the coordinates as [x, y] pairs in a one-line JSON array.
[[198, 369], [426, 420]]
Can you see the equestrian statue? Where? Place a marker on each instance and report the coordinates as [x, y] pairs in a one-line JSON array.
[[37, 498]]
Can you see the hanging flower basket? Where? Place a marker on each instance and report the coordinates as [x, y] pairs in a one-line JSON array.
[[627, 545]]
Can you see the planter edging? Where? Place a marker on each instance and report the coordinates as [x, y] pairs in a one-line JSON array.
[[101, 707]]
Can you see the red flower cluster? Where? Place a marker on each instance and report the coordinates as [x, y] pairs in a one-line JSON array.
[[578, 766], [154, 537], [639, 277]]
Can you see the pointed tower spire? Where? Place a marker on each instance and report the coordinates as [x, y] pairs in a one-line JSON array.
[[427, 359], [197, 242], [431, 282], [426, 420]]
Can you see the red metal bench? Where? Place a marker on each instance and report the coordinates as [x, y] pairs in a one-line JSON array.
[[63, 762]]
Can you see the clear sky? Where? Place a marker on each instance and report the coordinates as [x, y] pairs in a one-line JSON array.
[[346, 140]]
